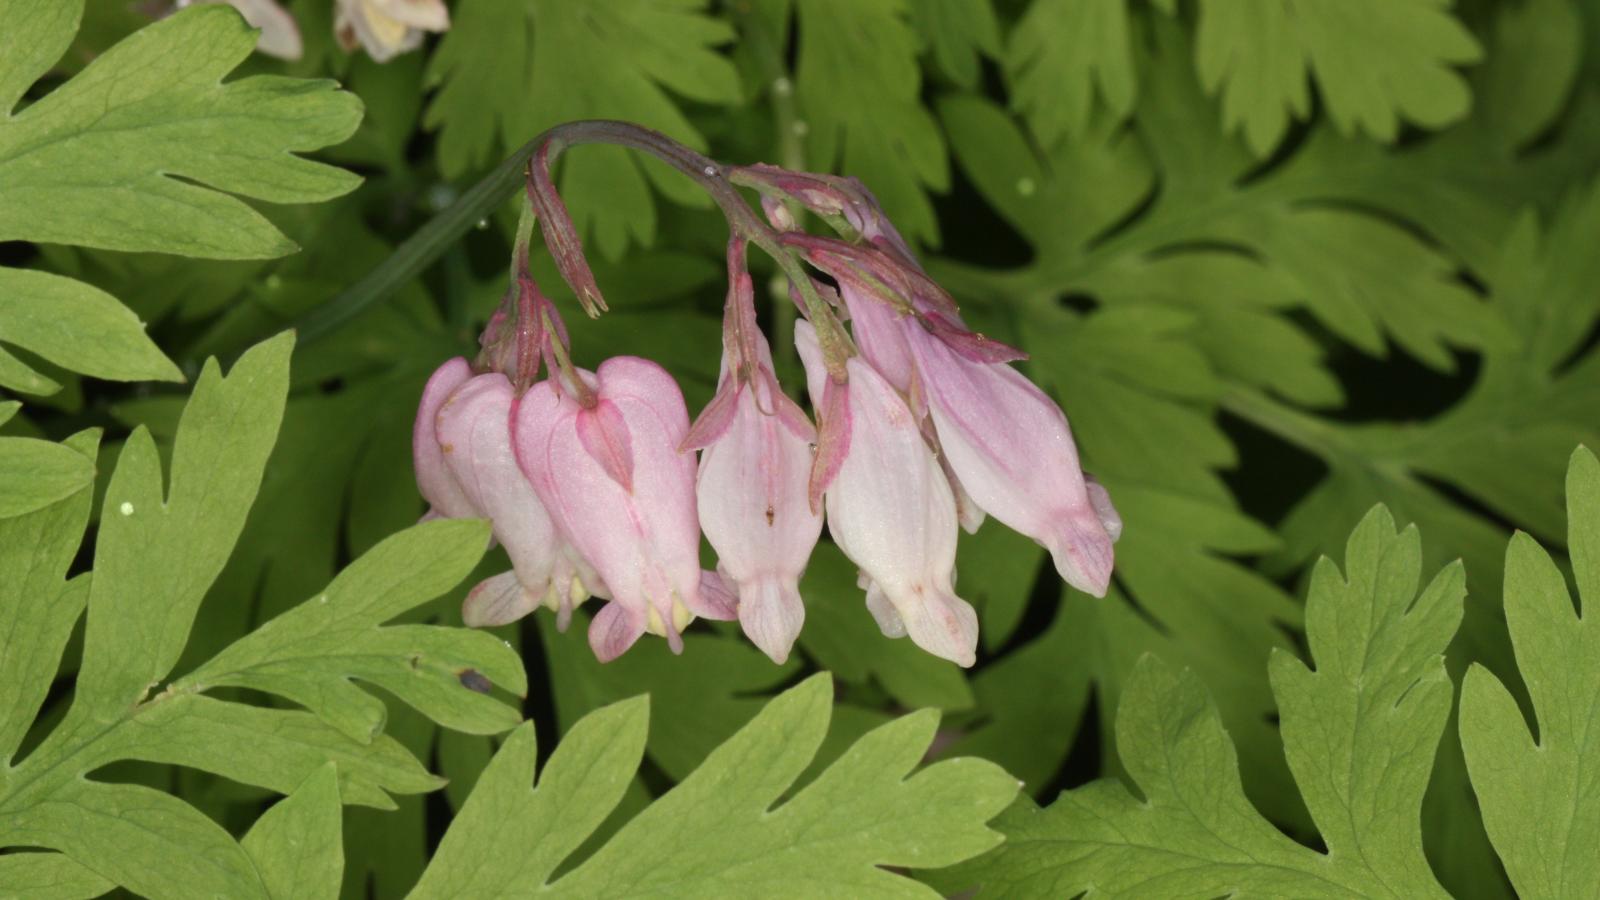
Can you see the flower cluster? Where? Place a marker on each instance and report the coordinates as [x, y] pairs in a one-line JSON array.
[[592, 482], [384, 28]]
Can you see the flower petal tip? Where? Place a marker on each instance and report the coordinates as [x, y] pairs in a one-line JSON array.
[[497, 600], [613, 631], [772, 614], [1082, 552]]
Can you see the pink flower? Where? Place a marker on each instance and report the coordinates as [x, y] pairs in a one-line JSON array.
[[616, 482], [752, 497], [879, 335], [1011, 448], [473, 428], [435, 481], [891, 510]]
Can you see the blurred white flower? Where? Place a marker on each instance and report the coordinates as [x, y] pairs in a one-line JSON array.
[[280, 36], [388, 28]]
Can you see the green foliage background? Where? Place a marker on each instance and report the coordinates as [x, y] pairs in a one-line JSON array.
[[1279, 261]]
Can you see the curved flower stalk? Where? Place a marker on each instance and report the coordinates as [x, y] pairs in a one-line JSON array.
[[610, 470], [754, 471], [1005, 445], [922, 428]]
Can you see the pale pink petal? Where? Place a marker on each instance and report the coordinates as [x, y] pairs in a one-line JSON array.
[[879, 333], [434, 480], [1110, 519], [883, 612], [713, 421], [771, 613], [941, 623], [614, 629], [475, 421], [717, 600], [497, 600], [280, 36], [1081, 548], [892, 512], [969, 344], [604, 436]]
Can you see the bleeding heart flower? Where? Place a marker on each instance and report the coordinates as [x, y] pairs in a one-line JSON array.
[[1011, 448], [752, 497], [473, 428], [614, 479], [891, 510]]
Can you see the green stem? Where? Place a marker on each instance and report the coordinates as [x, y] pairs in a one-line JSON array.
[[430, 241], [418, 251]]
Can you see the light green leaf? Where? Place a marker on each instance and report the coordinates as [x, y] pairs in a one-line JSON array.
[[1532, 62], [37, 32], [310, 653], [484, 55], [1062, 56], [48, 876], [1377, 63], [37, 601], [717, 833], [35, 474], [1360, 732], [1537, 793], [143, 839], [957, 33], [697, 700], [273, 748], [504, 839], [296, 844], [159, 549], [98, 161], [78, 327], [857, 83]]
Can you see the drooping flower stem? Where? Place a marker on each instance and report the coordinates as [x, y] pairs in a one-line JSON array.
[[532, 161], [704, 171]]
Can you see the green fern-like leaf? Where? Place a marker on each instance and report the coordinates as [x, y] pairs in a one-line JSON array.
[[721, 831], [158, 550], [142, 151], [1360, 728]]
